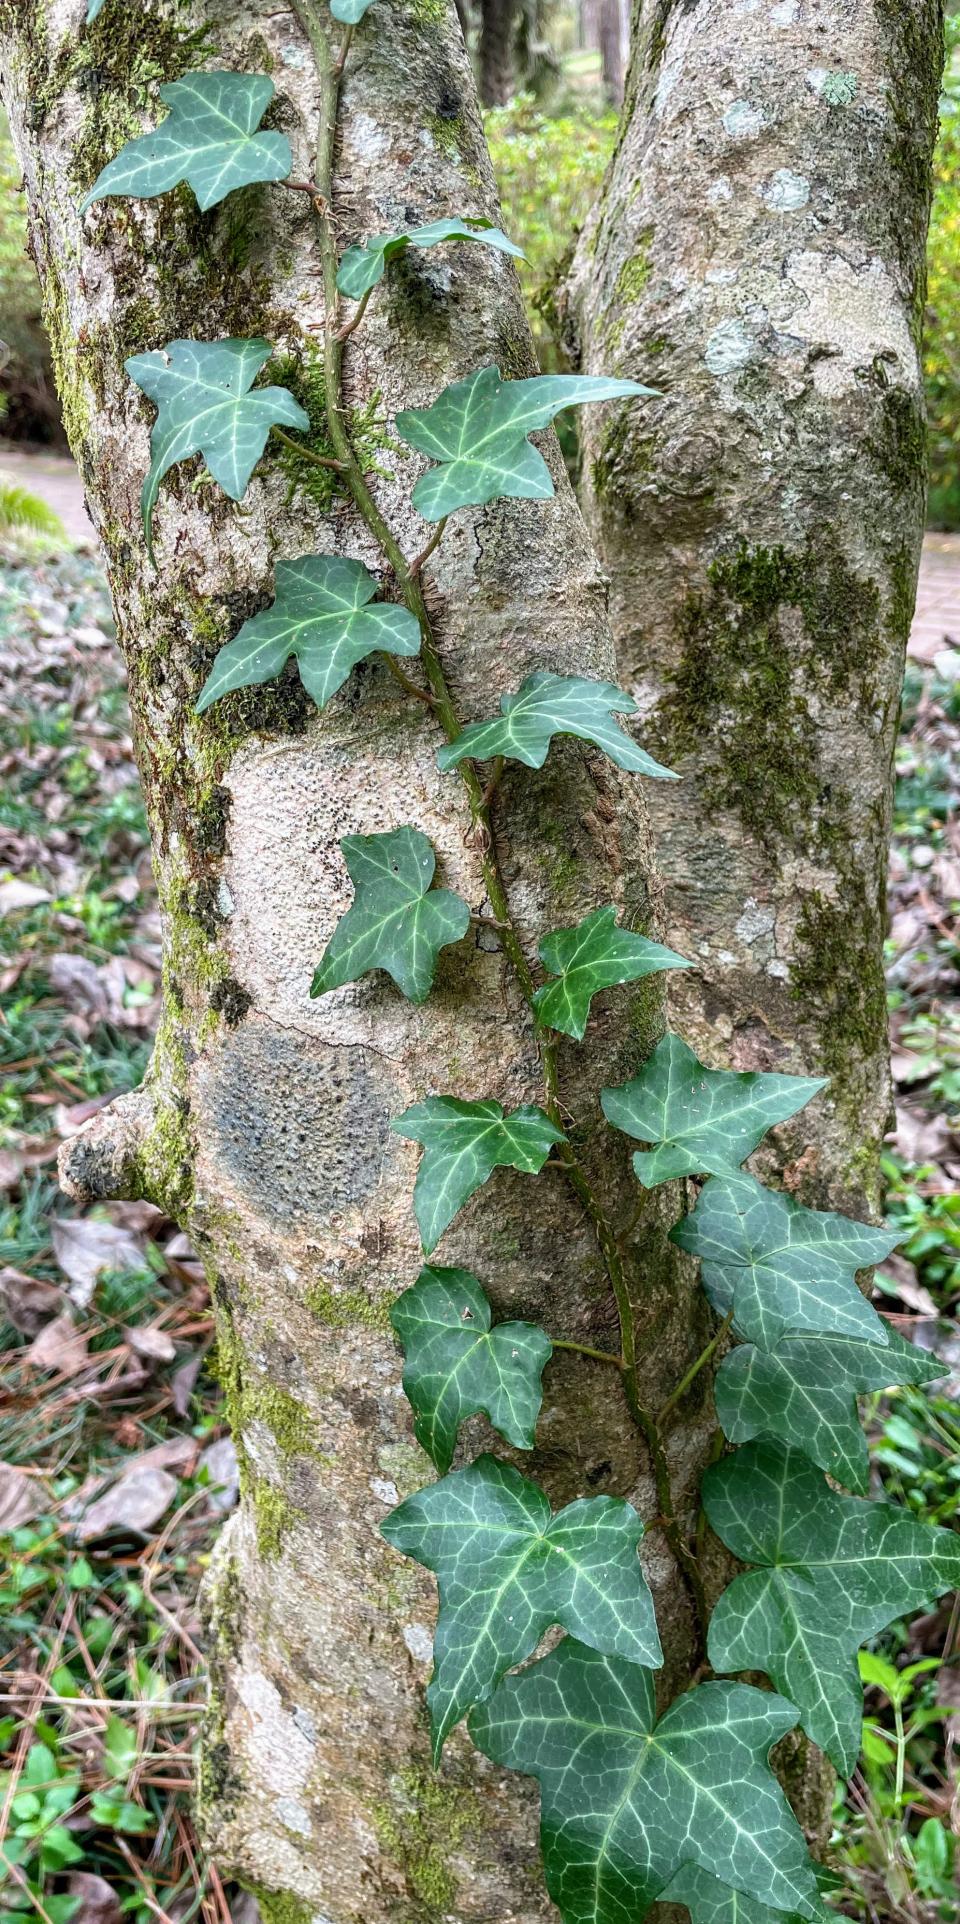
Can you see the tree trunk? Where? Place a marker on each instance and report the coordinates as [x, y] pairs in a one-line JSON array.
[[264, 1123], [495, 51], [758, 255], [610, 37]]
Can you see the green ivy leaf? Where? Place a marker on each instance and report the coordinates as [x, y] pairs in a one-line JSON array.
[[93, 9], [397, 922], [706, 1121], [546, 705], [362, 267], [805, 1392], [322, 615], [710, 1902], [507, 1569], [209, 139], [349, 11], [593, 956], [463, 1143], [456, 1365], [781, 1268], [477, 429], [626, 1801], [204, 406], [834, 1571]]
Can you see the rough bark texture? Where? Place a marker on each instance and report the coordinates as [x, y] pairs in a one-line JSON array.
[[758, 255], [264, 1126]]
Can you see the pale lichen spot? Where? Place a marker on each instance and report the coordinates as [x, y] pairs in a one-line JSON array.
[[755, 921], [731, 345], [293, 1816], [281, 1757], [786, 191], [720, 190], [778, 969], [384, 1489], [419, 1642], [293, 57], [785, 13], [367, 140], [743, 121], [837, 88]]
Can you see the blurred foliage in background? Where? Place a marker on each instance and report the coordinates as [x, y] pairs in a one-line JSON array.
[[942, 356], [28, 401]]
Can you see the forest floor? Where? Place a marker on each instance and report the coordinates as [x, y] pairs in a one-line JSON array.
[[115, 1469]]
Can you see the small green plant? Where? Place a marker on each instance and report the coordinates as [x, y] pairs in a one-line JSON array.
[[24, 513], [635, 1806]]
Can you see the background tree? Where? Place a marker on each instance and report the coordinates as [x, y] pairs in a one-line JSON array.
[[264, 1122], [758, 254]]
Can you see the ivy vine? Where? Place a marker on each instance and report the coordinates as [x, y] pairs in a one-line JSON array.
[[634, 1809]]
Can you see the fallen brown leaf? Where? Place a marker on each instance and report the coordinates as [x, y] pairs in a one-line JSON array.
[[28, 1301], [22, 1497], [136, 1502], [60, 1346], [145, 1339], [99, 1904], [84, 1248]]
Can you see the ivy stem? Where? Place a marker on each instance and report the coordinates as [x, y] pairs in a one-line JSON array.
[[583, 1349], [319, 460], [408, 580], [434, 542], [344, 333], [695, 1368]]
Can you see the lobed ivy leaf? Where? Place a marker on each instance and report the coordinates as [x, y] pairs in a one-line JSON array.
[[805, 1392], [322, 615], [463, 1143], [477, 430], [705, 1121], [397, 922], [507, 1569], [362, 267], [781, 1268], [210, 139], [833, 1571], [349, 11], [201, 390], [546, 705], [627, 1801], [710, 1902], [456, 1365], [593, 956]]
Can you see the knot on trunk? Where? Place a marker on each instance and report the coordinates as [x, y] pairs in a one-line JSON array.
[[103, 1161]]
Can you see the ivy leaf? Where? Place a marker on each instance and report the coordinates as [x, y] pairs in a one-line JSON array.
[[463, 1142], [477, 429], [204, 406], [805, 1392], [456, 1365], [321, 615], [834, 1571], [593, 956], [507, 1569], [706, 1121], [626, 1801], [397, 922], [362, 267], [710, 1902], [349, 11], [781, 1268], [546, 705], [209, 139], [93, 9]]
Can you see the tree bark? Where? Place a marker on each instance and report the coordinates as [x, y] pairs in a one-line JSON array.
[[496, 50], [264, 1122], [758, 255], [610, 40]]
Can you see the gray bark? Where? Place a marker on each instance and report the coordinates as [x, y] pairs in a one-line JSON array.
[[496, 50], [758, 255], [264, 1123]]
